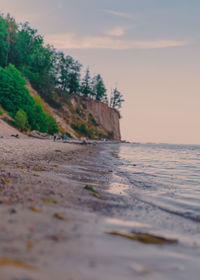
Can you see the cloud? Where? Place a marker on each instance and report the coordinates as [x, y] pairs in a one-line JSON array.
[[120, 14], [70, 41], [32, 17], [116, 31], [23, 17]]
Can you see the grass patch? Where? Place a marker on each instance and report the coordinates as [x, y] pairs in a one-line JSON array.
[[1, 111], [81, 129], [68, 135], [92, 120]]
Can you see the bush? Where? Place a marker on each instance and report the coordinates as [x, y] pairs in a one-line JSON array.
[[52, 125], [13, 95], [16, 99], [37, 118], [68, 135], [1, 112], [82, 129], [78, 111], [21, 119], [93, 121]]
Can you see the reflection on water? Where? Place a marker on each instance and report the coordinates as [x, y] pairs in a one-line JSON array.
[[168, 176], [124, 223], [117, 188], [157, 185]]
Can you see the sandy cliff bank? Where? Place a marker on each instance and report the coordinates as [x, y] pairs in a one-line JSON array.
[[7, 130]]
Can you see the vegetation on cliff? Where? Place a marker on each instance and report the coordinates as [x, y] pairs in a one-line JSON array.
[[56, 76]]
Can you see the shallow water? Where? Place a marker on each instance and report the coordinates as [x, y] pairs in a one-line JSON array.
[[159, 187], [167, 176], [150, 189]]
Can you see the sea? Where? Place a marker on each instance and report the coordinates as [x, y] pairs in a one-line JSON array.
[[149, 189], [158, 186]]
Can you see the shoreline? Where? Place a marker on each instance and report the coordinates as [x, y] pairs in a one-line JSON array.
[[44, 207], [67, 212]]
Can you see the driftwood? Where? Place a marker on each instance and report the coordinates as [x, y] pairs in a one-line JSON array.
[[39, 135]]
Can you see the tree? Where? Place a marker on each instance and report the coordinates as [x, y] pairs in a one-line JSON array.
[[11, 38], [98, 88], [52, 125], [86, 89], [23, 55], [28, 44], [116, 99], [68, 73], [3, 41], [21, 119]]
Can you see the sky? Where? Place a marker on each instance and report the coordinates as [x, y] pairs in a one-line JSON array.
[[148, 49]]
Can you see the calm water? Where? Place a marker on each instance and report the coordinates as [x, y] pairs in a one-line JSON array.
[[150, 189], [159, 185], [159, 193], [168, 176]]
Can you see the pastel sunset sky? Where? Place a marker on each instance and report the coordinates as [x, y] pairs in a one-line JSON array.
[[149, 49]]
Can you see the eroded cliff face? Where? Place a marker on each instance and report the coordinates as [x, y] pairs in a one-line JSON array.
[[107, 119], [81, 116]]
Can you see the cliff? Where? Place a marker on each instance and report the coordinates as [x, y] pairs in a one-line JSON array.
[[79, 116], [106, 118]]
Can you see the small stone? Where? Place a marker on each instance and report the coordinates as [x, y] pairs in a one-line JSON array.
[[12, 211]]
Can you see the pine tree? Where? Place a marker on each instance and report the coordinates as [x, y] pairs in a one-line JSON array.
[[98, 87], [86, 89], [116, 99]]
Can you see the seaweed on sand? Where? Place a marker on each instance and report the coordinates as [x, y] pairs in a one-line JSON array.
[[145, 238], [94, 192]]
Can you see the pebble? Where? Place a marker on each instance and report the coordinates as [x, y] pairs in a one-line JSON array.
[[12, 211]]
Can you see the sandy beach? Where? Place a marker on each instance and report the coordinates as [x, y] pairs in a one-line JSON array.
[[59, 203], [46, 218]]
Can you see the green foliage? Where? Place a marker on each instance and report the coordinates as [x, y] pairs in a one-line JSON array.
[[52, 125], [41, 121], [93, 121], [82, 130], [1, 111], [37, 118], [27, 47], [68, 73], [68, 135], [47, 69], [116, 99], [78, 111], [13, 94], [4, 47], [23, 55], [99, 90], [9, 121], [15, 98], [86, 88], [21, 119]]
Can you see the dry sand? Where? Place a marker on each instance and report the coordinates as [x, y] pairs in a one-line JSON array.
[[7, 130]]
